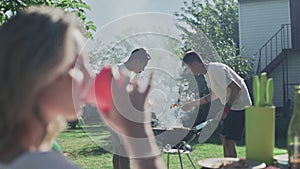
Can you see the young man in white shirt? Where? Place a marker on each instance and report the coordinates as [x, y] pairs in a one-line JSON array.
[[225, 84]]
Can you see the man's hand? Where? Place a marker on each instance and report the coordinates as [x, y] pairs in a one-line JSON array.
[[127, 116], [226, 110]]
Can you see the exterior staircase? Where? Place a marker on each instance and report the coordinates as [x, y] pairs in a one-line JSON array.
[[274, 52]]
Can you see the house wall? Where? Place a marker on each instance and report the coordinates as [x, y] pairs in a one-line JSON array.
[[293, 73], [293, 76], [259, 21], [295, 21], [277, 76]]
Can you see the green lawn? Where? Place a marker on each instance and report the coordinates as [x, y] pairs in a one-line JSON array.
[[85, 153]]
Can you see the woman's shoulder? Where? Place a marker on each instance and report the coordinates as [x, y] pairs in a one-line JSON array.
[[40, 160]]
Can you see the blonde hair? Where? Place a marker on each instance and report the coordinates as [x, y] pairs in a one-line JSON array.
[[32, 47]]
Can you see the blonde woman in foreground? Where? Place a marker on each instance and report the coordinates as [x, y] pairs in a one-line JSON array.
[[38, 50]]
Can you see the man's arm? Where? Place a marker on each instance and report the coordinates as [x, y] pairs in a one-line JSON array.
[[203, 100], [234, 90]]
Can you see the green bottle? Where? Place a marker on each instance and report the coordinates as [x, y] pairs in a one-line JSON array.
[[293, 137]]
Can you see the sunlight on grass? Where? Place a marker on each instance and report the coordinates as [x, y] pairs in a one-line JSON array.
[[85, 153]]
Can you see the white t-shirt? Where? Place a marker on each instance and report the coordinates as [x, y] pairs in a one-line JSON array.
[[40, 160], [218, 77]]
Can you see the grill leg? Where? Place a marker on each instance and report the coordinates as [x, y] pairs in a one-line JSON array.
[[168, 160], [179, 155], [191, 160]]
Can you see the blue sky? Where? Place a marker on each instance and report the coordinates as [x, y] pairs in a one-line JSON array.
[[104, 11]]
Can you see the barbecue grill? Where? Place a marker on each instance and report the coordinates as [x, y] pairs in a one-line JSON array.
[[173, 136], [175, 140]]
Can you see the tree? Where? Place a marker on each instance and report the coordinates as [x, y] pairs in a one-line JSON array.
[[216, 20], [10, 8]]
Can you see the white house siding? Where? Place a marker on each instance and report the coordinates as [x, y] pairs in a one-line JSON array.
[[294, 73], [277, 76], [259, 21], [293, 68]]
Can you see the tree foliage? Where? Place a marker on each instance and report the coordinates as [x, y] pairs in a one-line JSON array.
[[10, 8], [216, 20]]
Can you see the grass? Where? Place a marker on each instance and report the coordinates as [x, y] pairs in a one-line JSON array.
[[82, 151], [85, 153]]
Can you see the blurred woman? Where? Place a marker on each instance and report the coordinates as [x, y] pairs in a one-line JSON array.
[[40, 62]]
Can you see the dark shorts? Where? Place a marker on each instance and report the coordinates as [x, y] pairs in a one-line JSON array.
[[234, 125]]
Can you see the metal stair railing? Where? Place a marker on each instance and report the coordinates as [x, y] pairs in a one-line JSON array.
[[274, 46]]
